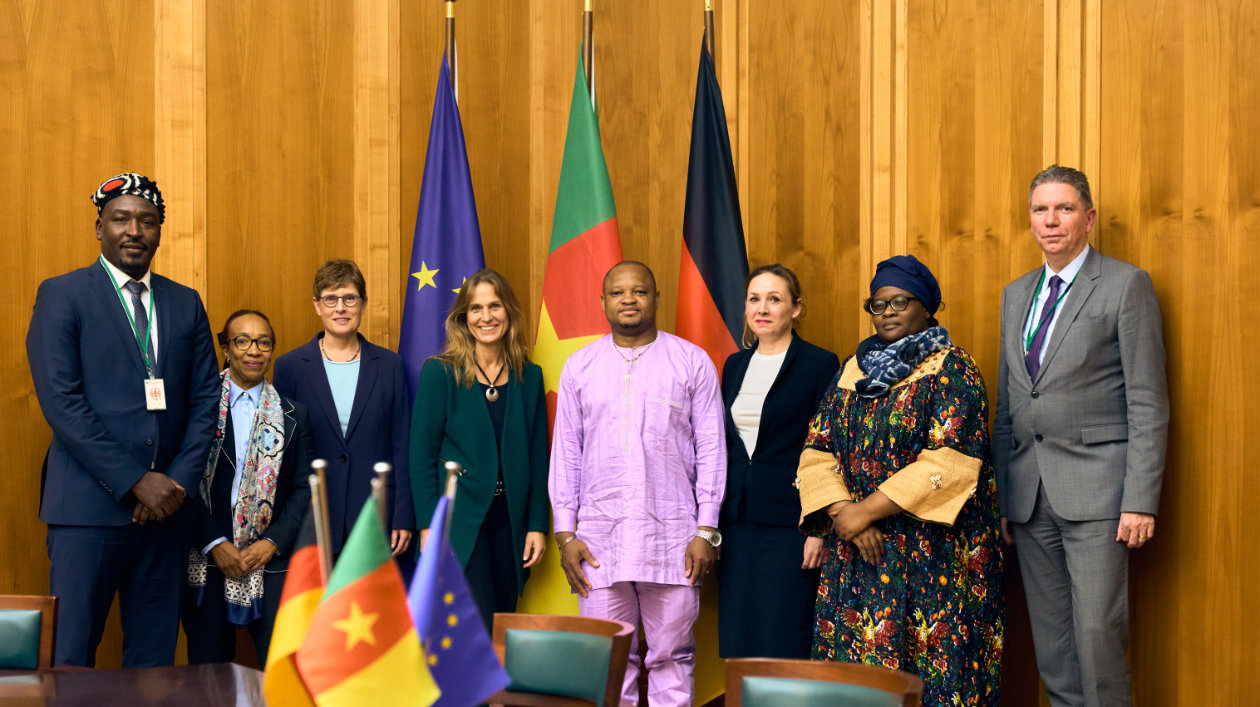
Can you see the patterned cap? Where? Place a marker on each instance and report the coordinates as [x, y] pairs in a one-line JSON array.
[[133, 184]]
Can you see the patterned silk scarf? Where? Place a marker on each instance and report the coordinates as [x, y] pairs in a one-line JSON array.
[[886, 364], [255, 502]]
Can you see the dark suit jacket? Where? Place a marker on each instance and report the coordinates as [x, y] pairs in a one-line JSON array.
[[452, 423], [379, 425], [293, 492], [1092, 427], [759, 489], [89, 378]]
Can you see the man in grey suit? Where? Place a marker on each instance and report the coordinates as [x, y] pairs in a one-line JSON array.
[[1078, 442]]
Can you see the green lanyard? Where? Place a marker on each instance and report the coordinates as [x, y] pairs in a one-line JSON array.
[[142, 340], [1032, 307]]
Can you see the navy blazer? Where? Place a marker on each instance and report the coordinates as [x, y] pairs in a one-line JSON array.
[[293, 492], [760, 488], [380, 423], [89, 379]]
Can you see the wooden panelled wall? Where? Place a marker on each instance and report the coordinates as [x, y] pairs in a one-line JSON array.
[[285, 133]]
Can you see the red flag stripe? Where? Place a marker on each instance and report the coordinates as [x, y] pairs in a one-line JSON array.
[[698, 314], [578, 267]]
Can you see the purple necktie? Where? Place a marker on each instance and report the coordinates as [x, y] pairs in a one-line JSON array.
[[1032, 359]]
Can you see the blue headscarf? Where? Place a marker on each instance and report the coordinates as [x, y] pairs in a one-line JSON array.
[[907, 273]]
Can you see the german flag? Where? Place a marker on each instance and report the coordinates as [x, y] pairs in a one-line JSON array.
[[303, 588], [362, 648], [714, 260]]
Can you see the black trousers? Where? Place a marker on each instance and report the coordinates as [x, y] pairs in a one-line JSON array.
[[491, 570], [211, 638]]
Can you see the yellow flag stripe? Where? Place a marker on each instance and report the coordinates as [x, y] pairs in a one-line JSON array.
[[399, 677], [292, 620]]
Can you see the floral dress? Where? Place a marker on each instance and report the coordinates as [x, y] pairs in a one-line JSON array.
[[933, 605]]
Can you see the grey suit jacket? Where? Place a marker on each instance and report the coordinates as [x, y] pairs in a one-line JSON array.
[[1093, 426]]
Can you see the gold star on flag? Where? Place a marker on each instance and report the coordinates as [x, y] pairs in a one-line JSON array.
[[425, 276], [550, 351], [461, 286], [357, 627]]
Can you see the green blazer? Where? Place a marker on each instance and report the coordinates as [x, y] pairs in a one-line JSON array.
[[451, 423]]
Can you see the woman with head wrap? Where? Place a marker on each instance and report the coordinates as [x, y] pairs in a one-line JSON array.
[[251, 502], [481, 403], [770, 391], [896, 477]]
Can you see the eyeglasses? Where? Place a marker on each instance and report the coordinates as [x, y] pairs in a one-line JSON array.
[[898, 303], [242, 343], [351, 301]]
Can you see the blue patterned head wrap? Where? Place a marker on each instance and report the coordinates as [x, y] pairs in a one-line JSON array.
[[907, 273]]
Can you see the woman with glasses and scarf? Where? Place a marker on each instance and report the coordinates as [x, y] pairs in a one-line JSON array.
[[896, 477], [356, 393], [252, 500]]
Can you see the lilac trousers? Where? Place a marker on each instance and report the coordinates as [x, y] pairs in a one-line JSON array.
[[667, 612]]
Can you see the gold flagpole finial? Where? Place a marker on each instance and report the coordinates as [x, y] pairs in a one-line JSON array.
[[588, 5], [450, 8]]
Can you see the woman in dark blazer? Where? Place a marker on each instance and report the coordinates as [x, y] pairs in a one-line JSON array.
[[769, 571], [356, 393], [481, 403], [253, 498]]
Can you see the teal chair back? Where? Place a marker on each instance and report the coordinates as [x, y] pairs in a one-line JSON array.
[[27, 629], [558, 663], [561, 661], [763, 682], [776, 692]]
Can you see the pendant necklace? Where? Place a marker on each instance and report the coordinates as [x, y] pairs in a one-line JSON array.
[[628, 398], [492, 394]]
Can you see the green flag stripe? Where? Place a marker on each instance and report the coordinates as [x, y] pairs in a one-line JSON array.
[[365, 550], [585, 197]]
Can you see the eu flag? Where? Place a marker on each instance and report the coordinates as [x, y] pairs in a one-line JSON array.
[[447, 244], [461, 658]]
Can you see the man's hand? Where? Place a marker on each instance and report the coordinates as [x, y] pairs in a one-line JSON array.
[[159, 494], [257, 555], [699, 558], [870, 544], [228, 559], [1007, 536], [400, 540], [813, 555], [1136, 529], [535, 546], [572, 555]]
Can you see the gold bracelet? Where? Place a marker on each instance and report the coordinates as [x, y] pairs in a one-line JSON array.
[[566, 541]]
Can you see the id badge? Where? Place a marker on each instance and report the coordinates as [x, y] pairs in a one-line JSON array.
[[155, 393]]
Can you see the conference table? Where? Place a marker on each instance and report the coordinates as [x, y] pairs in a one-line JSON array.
[[213, 685]]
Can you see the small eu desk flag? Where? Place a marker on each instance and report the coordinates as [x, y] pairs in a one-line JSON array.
[[456, 644]]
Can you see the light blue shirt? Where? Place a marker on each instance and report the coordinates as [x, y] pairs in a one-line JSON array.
[[243, 404], [343, 378], [1068, 275]]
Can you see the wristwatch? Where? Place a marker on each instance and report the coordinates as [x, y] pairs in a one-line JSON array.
[[713, 537]]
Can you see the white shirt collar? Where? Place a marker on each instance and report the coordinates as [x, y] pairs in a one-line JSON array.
[[1069, 271], [119, 277]]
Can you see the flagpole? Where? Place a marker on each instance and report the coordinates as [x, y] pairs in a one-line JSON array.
[[450, 44], [380, 492], [708, 33], [588, 50], [319, 509]]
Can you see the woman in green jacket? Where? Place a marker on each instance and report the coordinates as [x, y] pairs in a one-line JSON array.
[[481, 403]]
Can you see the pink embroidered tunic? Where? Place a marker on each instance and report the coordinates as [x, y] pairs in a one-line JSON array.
[[638, 458]]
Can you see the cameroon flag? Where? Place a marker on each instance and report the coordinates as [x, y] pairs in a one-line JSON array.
[[362, 648], [584, 245], [303, 587]]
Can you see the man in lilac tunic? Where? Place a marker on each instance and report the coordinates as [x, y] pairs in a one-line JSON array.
[[638, 469]]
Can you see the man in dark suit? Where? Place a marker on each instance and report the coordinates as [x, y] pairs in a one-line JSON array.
[[124, 370], [1079, 439]]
